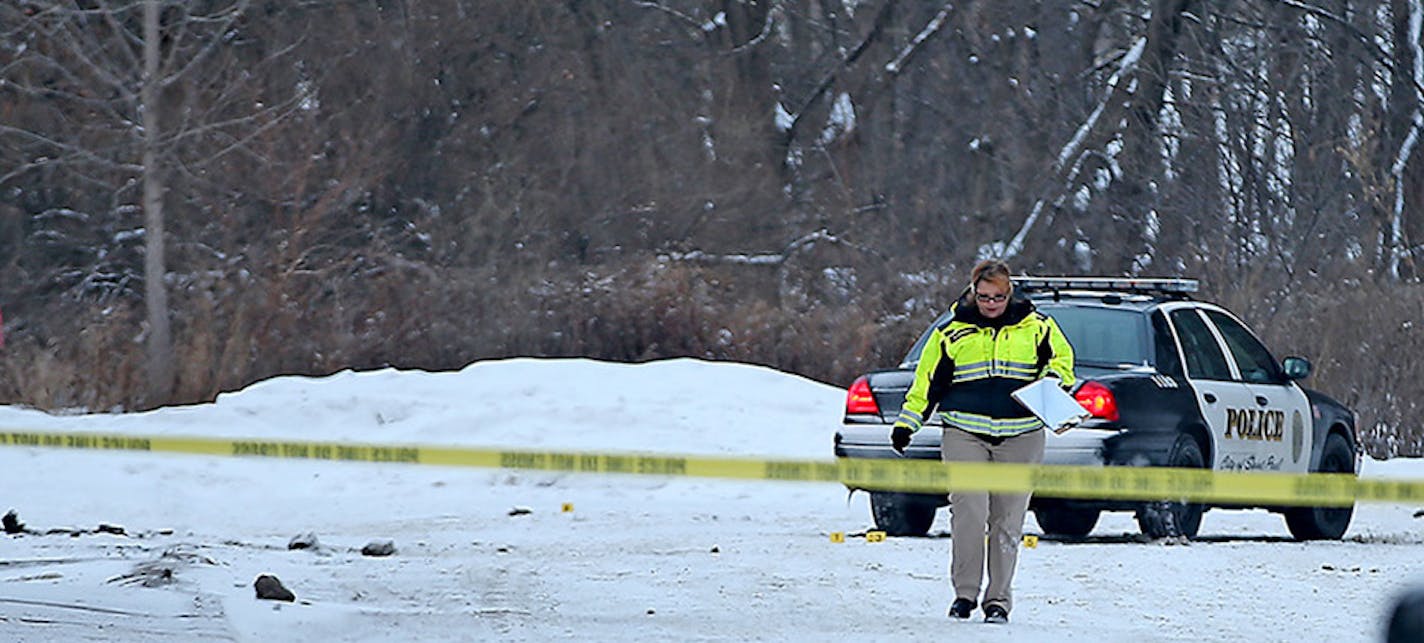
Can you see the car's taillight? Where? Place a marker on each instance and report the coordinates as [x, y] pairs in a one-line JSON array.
[[1098, 400], [859, 400]]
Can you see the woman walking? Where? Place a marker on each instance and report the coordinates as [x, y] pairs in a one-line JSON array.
[[993, 345]]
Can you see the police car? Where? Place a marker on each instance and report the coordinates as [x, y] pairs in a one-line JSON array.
[[1169, 380]]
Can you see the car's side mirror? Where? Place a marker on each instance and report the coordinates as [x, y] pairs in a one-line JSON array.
[[1296, 367]]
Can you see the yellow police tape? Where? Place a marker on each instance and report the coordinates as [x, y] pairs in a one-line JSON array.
[[927, 476]]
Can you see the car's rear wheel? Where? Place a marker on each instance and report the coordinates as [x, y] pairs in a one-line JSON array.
[[903, 514], [1059, 519], [1165, 519], [1325, 523]]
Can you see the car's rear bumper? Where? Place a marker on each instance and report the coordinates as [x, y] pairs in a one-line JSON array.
[[1083, 446]]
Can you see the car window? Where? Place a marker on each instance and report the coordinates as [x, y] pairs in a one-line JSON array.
[[913, 356], [1252, 359], [1102, 336], [1168, 362], [1204, 358]]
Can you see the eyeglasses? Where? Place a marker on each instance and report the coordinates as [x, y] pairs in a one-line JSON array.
[[979, 296]]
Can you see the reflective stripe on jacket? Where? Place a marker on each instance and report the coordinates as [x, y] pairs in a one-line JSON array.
[[969, 367]]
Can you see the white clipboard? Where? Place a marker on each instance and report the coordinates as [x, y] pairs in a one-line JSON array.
[[1051, 404]]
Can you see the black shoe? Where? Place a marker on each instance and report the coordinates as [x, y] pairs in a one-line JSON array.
[[995, 614], [961, 608]]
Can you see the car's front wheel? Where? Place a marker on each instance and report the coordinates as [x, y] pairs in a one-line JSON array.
[[1171, 519], [902, 514], [1325, 523]]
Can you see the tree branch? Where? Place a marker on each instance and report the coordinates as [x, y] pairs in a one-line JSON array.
[[1397, 240], [689, 20], [797, 245], [227, 18], [242, 142], [49, 93], [765, 30], [895, 66], [72, 41], [1075, 144], [126, 45], [1369, 42], [66, 147], [876, 28]]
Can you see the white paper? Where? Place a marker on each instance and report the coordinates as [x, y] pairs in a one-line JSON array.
[[1051, 404]]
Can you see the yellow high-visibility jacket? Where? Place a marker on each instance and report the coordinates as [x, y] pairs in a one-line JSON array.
[[970, 365]]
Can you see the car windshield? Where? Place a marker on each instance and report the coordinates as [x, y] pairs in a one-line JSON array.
[[1111, 337]]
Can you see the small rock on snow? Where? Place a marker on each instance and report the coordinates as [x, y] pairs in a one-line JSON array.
[[12, 522], [270, 588], [379, 548]]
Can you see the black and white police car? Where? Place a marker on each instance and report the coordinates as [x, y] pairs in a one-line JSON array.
[[1169, 380]]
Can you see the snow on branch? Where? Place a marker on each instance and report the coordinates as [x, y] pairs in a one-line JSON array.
[[1127, 63], [795, 247], [1074, 146], [1411, 141], [765, 30], [698, 256], [894, 66], [881, 19], [1368, 41]]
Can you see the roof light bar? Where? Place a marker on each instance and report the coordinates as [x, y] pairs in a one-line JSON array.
[[1182, 286]]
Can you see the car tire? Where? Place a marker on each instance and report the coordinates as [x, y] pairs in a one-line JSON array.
[[902, 514], [1058, 519], [1325, 523], [1165, 519]]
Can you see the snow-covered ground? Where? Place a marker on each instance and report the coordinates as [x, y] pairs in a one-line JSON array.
[[637, 557]]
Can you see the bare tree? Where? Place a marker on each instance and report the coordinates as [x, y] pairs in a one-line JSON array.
[[133, 84]]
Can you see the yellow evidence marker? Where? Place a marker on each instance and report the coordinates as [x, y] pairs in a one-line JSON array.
[[838, 536], [1030, 541], [875, 536], [568, 507]]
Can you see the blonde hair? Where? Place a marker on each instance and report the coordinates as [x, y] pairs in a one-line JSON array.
[[993, 271]]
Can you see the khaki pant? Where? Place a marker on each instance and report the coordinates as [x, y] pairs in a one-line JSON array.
[[1002, 513]]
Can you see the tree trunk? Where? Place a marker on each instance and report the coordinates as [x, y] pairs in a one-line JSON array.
[[160, 335]]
